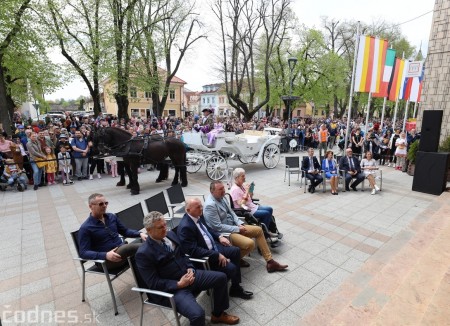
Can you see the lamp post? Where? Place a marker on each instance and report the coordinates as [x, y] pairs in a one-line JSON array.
[[291, 63]]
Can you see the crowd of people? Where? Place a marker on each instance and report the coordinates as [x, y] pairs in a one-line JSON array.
[[42, 150]]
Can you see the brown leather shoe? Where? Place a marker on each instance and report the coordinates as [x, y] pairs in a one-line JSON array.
[[273, 266], [225, 318]]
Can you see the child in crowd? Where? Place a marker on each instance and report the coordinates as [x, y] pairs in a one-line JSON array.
[[111, 160], [13, 173], [51, 166], [64, 164]]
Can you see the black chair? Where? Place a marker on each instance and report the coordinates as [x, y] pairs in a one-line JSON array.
[[98, 267], [292, 167], [152, 295], [158, 203], [132, 217], [177, 200]]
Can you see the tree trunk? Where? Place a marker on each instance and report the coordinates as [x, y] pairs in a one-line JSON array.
[[5, 103], [122, 105]]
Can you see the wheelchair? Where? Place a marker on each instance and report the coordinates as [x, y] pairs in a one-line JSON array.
[[268, 230]]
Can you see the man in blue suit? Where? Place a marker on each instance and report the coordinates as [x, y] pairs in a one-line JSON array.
[[198, 241], [163, 267], [352, 170]]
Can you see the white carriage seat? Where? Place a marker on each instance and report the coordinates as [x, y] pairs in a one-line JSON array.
[[253, 136]]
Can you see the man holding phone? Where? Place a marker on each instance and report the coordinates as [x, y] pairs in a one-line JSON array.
[[98, 237]]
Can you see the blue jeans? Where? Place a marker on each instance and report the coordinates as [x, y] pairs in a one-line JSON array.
[[264, 215], [37, 173]]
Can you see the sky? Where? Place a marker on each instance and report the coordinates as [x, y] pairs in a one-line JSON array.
[[199, 66]]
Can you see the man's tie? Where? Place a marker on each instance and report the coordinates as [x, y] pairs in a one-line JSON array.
[[166, 246], [311, 164], [209, 235], [350, 162]]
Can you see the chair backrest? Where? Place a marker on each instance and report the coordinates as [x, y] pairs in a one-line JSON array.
[[132, 217], [157, 203], [175, 194], [293, 161], [74, 235]]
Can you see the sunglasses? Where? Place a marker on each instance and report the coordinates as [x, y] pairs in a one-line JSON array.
[[102, 203]]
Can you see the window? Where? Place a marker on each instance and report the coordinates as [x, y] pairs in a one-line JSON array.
[[133, 92], [204, 100], [172, 94], [148, 94], [172, 113], [213, 100], [134, 112], [207, 100]]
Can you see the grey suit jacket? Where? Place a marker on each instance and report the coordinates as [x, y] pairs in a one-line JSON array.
[[220, 218]]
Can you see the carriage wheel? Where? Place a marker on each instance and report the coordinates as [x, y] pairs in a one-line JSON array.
[[193, 163], [271, 156], [216, 168]]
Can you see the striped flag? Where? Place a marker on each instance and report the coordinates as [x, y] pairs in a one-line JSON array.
[[405, 84], [396, 79], [416, 87], [370, 64], [387, 73]]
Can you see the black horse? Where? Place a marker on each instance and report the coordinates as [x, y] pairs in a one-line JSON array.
[[153, 149]]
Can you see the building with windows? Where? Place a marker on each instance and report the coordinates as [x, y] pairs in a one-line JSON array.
[[214, 96], [140, 101]]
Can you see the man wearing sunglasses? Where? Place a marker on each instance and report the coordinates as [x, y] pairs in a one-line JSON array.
[[98, 236]]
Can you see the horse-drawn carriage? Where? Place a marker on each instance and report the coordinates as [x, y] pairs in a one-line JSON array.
[[250, 146]]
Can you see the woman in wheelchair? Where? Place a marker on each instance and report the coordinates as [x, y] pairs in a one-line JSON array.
[[242, 197]]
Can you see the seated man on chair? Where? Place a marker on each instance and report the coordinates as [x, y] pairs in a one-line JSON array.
[[352, 170], [199, 241], [163, 267], [98, 237], [311, 168], [221, 218]]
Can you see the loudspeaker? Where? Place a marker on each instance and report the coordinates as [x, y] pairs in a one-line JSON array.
[[431, 130], [430, 174]]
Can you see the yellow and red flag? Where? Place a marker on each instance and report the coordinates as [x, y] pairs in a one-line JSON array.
[[370, 64], [397, 79]]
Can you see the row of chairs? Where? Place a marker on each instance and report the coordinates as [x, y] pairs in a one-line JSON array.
[[132, 218], [293, 166]]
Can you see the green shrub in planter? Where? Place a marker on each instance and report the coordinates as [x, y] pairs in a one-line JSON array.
[[445, 146], [413, 152]]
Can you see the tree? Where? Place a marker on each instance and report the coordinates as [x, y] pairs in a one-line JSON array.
[[164, 31], [25, 69], [79, 29], [249, 30]]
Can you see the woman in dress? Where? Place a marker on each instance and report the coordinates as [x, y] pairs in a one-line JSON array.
[[400, 152], [329, 166], [369, 167], [357, 142]]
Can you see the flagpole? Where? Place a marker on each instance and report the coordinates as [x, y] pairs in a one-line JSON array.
[[406, 115], [395, 114], [347, 134], [415, 109], [368, 110], [382, 113]]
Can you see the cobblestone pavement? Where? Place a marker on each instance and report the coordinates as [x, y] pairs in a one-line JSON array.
[[354, 259]]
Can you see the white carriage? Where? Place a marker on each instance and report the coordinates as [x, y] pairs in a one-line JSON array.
[[250, 146]]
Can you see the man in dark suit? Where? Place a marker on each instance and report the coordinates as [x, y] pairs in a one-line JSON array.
[[311, 168], [163, 267], [352, 170], [198, 240]]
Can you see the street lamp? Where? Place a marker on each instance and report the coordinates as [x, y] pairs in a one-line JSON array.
[[291, 63]]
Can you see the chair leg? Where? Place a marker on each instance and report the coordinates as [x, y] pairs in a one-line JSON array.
[[142, 308], [111, 290], [174, 309], [84, 286]]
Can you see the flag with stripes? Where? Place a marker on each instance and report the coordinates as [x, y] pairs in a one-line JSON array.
[[387, 73], [396, 79], [416, 87], [405, 83], [370, 64]]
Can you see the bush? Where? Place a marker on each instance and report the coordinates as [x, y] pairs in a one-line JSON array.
[[445, 146], [413, 151]]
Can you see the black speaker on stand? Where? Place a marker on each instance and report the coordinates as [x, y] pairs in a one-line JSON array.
[[431, 130], [430, 174]]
